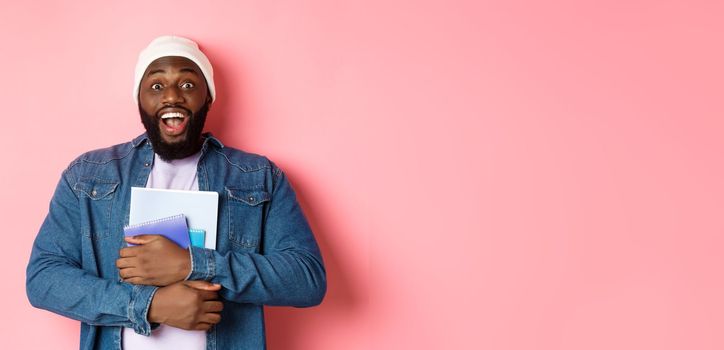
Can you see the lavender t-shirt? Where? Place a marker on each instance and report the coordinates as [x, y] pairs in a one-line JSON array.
[[177, 174]]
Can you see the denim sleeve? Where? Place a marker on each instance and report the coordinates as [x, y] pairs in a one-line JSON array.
[[290, 271], [56, 281]]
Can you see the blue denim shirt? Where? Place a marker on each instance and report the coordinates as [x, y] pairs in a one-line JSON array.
[[265, 252]]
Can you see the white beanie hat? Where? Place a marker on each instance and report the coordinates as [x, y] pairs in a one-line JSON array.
[[168, 45]]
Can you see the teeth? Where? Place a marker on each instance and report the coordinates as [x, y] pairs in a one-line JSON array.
[[172, 115]]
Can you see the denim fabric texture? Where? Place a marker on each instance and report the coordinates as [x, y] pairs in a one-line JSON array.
[[265, 252]]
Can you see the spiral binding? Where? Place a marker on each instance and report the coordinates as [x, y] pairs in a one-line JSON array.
[[152, 222]]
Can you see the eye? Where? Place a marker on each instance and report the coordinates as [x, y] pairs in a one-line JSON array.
[[156, 86], [187, 85]]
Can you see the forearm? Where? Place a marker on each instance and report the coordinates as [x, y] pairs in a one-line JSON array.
[[288, 270], [57, 281], [291, 278], [58, 286]]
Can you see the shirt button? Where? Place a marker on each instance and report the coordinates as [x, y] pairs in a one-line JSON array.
[[93, 193], [146, 164], [251, 199]]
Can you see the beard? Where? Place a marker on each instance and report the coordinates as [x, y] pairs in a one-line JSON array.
[[177, 150]]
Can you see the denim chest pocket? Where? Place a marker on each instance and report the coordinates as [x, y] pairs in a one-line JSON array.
[[246, 209], [96, 205]]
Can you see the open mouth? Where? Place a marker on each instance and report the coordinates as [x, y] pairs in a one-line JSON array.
[[173, 123]]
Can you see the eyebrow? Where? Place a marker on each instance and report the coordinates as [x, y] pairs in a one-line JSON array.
[[189, 70], [185, 69]]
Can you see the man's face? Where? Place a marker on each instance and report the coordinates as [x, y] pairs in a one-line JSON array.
[[173, 101]]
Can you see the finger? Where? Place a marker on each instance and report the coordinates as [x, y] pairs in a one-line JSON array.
[[209, 295], [128, 272], [213, 306], [211, 317], [132, 240], [128, 252], [203, 285], [203, 326], [123, 263], [140, 239]]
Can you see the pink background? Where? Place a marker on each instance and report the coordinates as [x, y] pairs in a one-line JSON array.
[[479, 174]]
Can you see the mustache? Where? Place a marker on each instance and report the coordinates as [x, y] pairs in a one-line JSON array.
[[177, 150]]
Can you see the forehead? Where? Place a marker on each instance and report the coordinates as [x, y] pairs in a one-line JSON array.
[[172, 64]]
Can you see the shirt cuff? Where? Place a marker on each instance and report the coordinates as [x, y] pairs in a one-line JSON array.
[[202, 264], [141, 297], [191, 270]]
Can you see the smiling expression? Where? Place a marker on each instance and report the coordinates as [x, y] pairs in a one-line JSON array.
[[173, 90]]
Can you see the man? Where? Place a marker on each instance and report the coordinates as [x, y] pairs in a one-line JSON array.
[[155, 294]]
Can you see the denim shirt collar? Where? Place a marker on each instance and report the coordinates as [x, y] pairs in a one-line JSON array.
[[208, 139]]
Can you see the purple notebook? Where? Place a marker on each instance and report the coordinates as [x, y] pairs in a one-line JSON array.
[[172, 227]]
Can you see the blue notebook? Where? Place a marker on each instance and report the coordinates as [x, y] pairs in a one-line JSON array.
[[197, 237], [172, 227]]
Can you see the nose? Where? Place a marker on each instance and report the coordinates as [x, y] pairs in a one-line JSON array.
[[172, 95]]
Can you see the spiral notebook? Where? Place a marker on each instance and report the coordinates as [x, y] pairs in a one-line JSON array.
[[172, 227], [199, 207]]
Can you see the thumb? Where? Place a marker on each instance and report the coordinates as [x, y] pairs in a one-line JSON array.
[[203, 285]]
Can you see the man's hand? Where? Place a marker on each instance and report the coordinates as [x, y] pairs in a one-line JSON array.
[[190, 305], [154, 261]]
